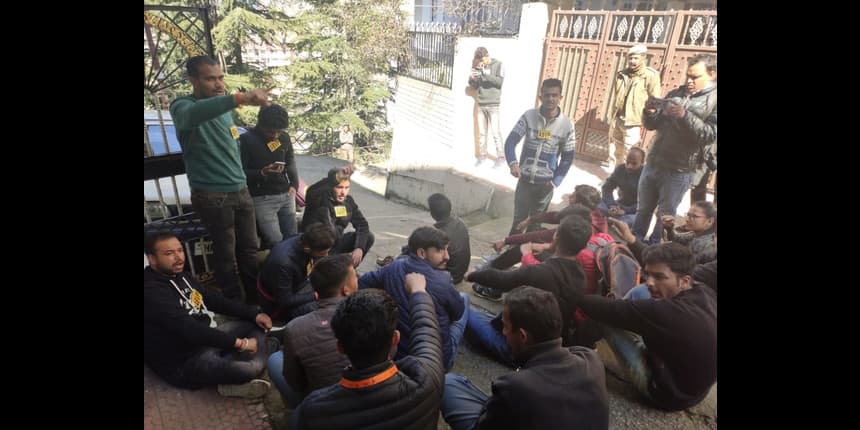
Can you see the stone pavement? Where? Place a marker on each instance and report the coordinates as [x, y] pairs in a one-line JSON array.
[[170, 408]]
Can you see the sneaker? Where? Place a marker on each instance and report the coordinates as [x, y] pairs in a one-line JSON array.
[[382, 262], [487, 292], [500, 163], [254, 389], [480, 161], [273, 344]]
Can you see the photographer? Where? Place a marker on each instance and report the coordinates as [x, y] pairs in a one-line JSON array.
[[686, 122]]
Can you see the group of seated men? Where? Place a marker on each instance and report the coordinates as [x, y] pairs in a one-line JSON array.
[[376, 350]]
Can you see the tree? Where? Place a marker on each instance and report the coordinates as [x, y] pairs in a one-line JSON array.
[[339, 74], [242, 21]]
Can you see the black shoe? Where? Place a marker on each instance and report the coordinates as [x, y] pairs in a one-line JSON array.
[[487, 292], [272, 344]]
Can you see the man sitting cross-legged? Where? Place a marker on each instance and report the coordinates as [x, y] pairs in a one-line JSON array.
[[428, 255], [183, 344], [376, 392], [553, 388], [561, 275], [310, 358], [666, 345]]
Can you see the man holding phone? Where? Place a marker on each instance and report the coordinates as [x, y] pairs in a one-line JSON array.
[[270, 165]]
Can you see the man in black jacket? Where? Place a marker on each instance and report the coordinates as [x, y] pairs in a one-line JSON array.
[[270, 166], [284, 288], [458, 247], [183, 344], [329, 202], [554, 388], [685, 122], [667, 345], [376, 392], [562, 275]]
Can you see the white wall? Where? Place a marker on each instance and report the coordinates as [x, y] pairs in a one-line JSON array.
[[433, 125]]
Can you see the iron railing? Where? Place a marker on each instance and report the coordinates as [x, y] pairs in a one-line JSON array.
[[430, 57]]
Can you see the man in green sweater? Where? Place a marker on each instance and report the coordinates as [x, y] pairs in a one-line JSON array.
[[219, 192]]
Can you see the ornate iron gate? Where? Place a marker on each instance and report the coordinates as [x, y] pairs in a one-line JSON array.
[[585, 49]]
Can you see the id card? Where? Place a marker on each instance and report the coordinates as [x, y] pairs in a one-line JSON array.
[[196, 299], [273, 145], [544, 134], [340, 211], [234, 132]]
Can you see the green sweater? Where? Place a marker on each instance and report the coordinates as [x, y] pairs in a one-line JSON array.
[[209, 149]]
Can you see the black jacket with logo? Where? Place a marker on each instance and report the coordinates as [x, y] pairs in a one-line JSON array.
[[255, 152]]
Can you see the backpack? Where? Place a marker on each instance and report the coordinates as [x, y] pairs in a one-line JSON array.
[[617, 268]]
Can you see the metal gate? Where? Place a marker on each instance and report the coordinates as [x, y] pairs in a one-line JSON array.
[[585, 49]]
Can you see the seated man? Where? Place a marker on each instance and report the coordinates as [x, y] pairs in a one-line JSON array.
[[667, 345], [284, 288], [626, 179], [561, 275], [310, 359], [183, 344], [583, 194], [427, 255], [554, 387], [701, 228], [459, 248], [376, 392], [329, 203]]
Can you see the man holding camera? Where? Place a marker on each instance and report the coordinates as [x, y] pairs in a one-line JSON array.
[[686, 122], [486, 77]]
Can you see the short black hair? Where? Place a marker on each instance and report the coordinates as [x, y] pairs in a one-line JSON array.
[[709, 60], [573, 234], [678, 257], [587, 195], [273, 117], [709, 210], [639, 151], [329, 273], [535, 311], [151, 239], [364, 324], [576, 209], [192, 66], [551, 83], [440, 206], [318, 236], [427, 237]]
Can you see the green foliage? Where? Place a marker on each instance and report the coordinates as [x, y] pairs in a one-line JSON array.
[[341, 50]]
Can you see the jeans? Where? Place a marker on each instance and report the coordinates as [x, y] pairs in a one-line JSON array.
[[660, 189], [488, 121], [480, 331], [276, 374], [462, 402], [229, 220], [455, 332], [629, 348], [213, 366], [639, 292], [627, 218], [530, 199], [346, 244], [276, 217]]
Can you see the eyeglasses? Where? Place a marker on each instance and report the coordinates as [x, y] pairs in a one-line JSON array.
[[694, 216]]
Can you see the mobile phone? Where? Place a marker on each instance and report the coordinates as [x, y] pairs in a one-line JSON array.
[[281, 163]]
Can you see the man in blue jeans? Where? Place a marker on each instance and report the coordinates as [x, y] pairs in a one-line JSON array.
[[270, 165], [665, 340], [219, 193], [553, 387], [183, 344], [310, 359], [428, 255], [685, 122]]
